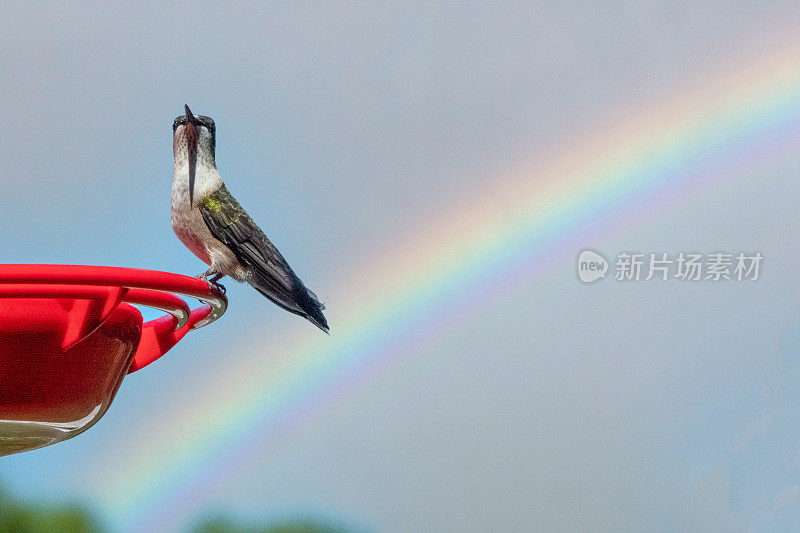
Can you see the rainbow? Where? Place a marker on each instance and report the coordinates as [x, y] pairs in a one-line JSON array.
[[536, 217]]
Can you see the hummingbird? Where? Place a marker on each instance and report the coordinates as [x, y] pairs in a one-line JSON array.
[[212, 224]]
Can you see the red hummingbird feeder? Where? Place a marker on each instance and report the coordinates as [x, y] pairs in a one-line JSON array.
[[70, 334]]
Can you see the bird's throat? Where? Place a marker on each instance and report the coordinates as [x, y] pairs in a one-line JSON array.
[[191, 142], [192, 171]]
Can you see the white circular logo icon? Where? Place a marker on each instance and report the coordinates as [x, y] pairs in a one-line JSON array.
[[591, 266]]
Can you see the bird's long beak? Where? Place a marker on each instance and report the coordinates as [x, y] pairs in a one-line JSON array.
[[191, 126], [189, 117], [191, 140]]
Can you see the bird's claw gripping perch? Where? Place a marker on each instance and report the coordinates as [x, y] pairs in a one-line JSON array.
[[212, 281], [220, 287]]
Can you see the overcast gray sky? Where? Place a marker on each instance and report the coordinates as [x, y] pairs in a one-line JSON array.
[[343, 128]]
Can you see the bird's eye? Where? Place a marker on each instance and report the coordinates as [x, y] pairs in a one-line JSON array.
[[208, 122]]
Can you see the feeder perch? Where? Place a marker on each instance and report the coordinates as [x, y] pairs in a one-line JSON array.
[[69, 335]]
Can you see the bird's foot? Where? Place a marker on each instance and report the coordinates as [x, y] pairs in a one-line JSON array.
[[220, 287], [214, 276], [213, 279]]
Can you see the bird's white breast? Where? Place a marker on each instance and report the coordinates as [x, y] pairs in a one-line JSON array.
[[188, 223]]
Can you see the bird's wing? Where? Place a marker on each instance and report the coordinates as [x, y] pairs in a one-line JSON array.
[[271, 274]]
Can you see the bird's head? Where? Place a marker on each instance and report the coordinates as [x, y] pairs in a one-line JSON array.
[[193, 142], [194, 134]]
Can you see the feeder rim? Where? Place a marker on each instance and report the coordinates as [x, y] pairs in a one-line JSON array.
[[145, 287]]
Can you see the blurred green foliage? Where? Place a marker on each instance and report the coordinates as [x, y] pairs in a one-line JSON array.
[[17, 516], [300, 525], [22, 517]]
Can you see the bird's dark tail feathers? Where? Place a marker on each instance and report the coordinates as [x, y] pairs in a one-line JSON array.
[[312, 307], [301, 301]]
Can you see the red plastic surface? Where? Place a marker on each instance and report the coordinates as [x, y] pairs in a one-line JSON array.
[[48, 393], [68, 337], [98, 290]]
